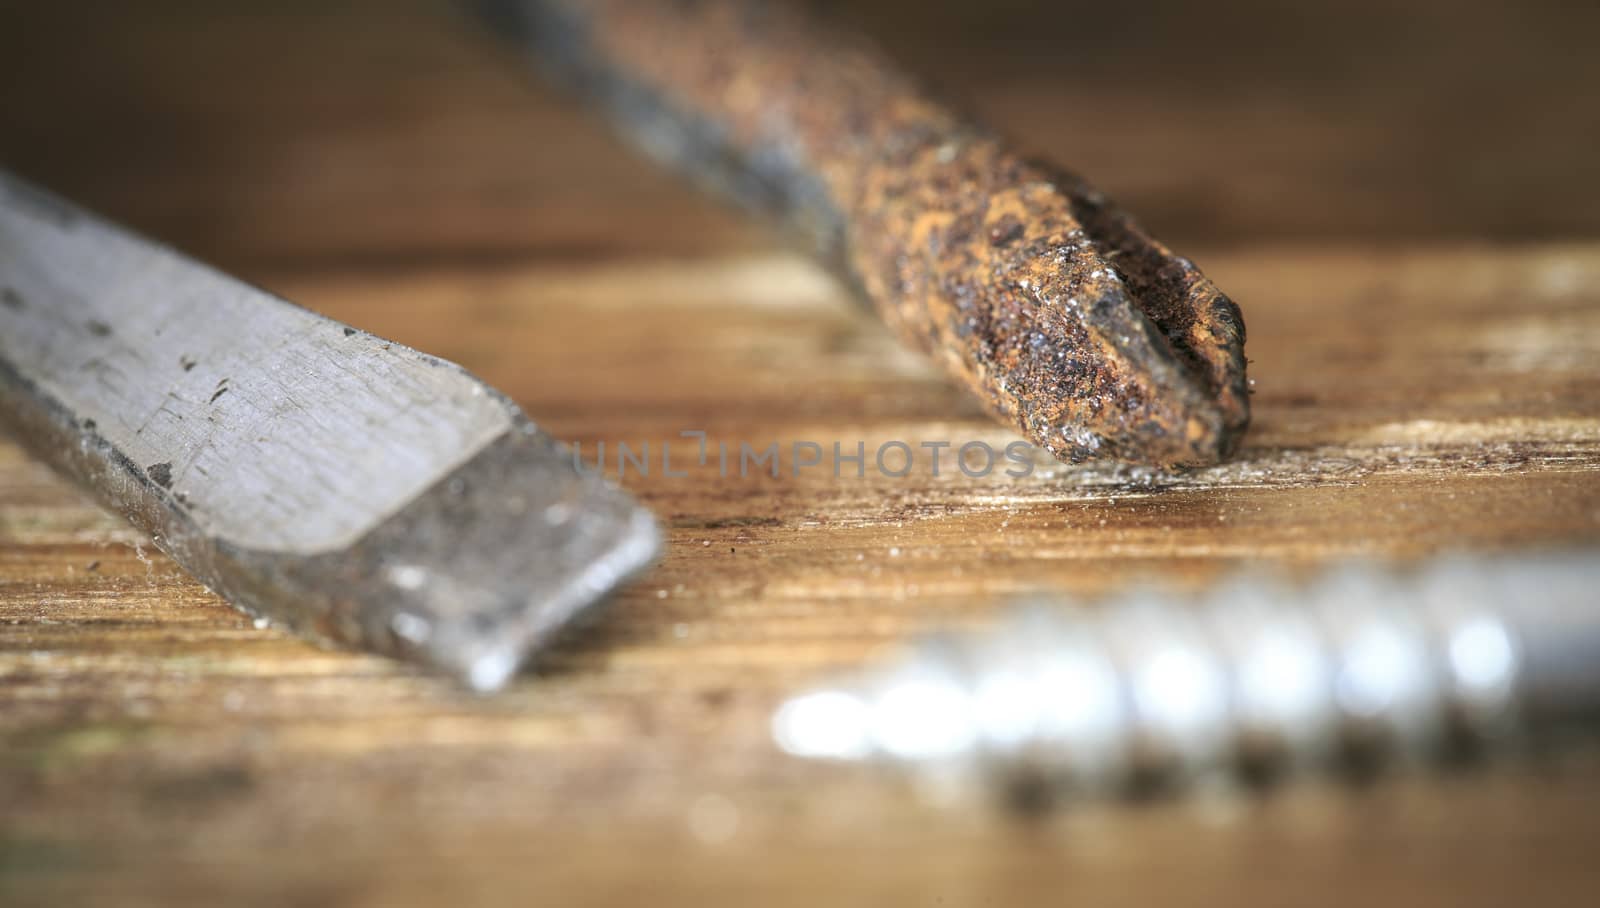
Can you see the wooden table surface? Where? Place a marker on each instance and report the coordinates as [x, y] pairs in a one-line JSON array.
[[1406, 203]]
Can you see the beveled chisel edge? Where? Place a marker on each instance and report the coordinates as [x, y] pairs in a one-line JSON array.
[[472, 577], [486, 567], [350, 488]]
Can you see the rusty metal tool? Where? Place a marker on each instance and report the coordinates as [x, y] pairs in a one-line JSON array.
[[350, 488], [1027, 285], [1365, 667]]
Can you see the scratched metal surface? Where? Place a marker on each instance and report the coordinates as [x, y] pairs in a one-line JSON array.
[[320, 483], [188, 368], [1424, 334]]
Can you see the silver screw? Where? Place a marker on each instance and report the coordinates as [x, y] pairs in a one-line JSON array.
[[1366, 664]]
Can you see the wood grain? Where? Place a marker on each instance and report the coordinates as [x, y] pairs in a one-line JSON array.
[[1422, 387]]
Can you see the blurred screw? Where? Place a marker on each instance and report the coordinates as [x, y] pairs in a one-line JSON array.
[[1364, 667]]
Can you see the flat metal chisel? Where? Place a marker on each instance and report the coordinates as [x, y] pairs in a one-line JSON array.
[[352, 489]]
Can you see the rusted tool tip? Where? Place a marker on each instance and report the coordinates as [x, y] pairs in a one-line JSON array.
[[1096, 341], [1047, 302], [1052, 305]]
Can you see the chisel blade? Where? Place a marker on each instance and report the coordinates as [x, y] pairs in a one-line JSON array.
[[350, 488]]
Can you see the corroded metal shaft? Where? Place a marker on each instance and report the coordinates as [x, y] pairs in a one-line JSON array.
[[1044, 299]]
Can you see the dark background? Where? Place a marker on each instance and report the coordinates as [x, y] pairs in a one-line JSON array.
[[291, 134]]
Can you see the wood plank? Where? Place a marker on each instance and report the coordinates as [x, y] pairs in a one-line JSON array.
[[158, 745]]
